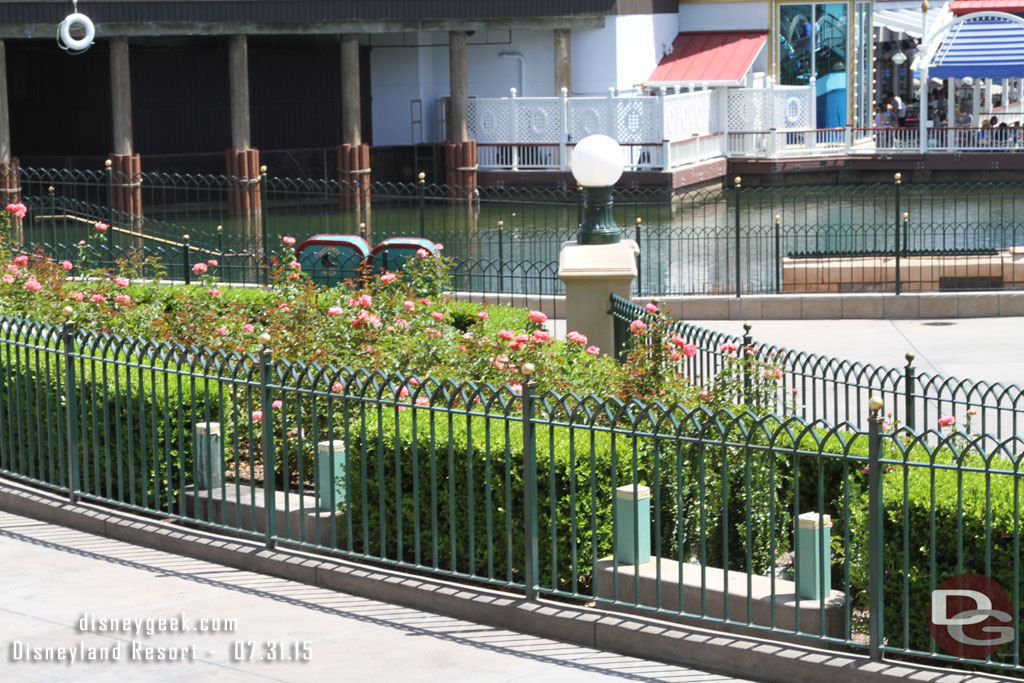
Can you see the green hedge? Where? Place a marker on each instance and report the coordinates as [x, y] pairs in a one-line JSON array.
[[134, 426], [574, 471], [959, 499]]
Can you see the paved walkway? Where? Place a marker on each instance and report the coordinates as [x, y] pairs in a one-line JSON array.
[[53, 577], [967, 348]]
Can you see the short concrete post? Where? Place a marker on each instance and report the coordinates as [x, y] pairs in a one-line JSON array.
[[592, 273], [813, 556], [330, 474], [633, 531], [209, 456]]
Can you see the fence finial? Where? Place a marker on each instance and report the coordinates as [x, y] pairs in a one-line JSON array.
[[875, 404], [910, 357], [528, 369], [108, 163], [264, 339], [68, 312], [898, 177]]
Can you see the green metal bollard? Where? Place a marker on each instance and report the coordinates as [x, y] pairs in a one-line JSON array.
[[330, 475], [813, 559], [633, 516], [209, 456]]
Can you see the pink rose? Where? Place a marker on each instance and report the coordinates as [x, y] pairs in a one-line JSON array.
[[81, 243], [199, 268], [538, 317], [222, 331], [248, 327], [651, 308], [33, 285], [100, 226], [18, 210], [483, 315], [422, 253], [288, 240], [214, 292], [387, 277], [541, 336], [15, 270], [277, 405], [66, 265], [121, 281], [422, 401], [8, 278], [295, 264], [335, 310], [337, 387], [439, 246], [212, 263], [257, 416], [77, 296], [365, 300], [947, 421], [637, 326], [284, 307], [437, 315], [123, 299], [593, 350], [516, 388], [409, 306], [729, 346], [98, 299], [425, 301], [689, 350], [577, 338], [21, 261], [294, 277]]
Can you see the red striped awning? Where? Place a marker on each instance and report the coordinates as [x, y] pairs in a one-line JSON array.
[[972, 6], [712, 57]]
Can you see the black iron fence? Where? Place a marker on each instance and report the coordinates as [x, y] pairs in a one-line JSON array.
[[732, 241]]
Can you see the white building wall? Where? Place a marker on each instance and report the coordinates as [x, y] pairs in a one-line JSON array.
[[416, 67], [640, 45], [724, 16]]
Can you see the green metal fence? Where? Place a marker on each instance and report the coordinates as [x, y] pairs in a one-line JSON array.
[[736, 240], [544, 495], [836, 390]]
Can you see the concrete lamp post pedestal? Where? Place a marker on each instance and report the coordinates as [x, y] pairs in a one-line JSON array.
[[592, 273]]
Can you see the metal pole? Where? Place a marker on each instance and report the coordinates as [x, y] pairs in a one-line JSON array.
[[748, 343], [501, 256], [263, 224], [53, 219], [778, 257], [423, 204], [269, 459], [71, 403], [110, 202], [738, 181], [875, 538], [910, 386], [185, 259], [896, 245], [532, 561], [639, 263]]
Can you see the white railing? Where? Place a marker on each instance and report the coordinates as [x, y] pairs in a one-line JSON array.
[[697, 148]]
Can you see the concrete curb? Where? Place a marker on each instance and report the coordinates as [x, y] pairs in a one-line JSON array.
[[725, 653]]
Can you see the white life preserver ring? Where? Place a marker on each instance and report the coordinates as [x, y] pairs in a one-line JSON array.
[[77, 44]]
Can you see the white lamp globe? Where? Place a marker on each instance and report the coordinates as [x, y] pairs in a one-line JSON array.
[[597, 161]]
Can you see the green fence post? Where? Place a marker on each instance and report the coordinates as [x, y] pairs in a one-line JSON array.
[[738, 181], [910, 386], [639, 260], [896, 244], [53, 219], [185, 258], [501, 256], [876, 542], [813, 560], [263, 225], [579, 208], [778, 255], [220, 246], [209, 456], [423, 204], [269, 457], [70, 403], [748, 380], [531, 558], [110, 205], [633, 534]]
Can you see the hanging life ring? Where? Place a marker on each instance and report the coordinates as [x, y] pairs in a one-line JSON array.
[[77, 44]]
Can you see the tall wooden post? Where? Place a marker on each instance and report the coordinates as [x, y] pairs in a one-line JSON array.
[[563, 61], [353, 155]]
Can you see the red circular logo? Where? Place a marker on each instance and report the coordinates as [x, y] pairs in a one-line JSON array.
[[971, 616]]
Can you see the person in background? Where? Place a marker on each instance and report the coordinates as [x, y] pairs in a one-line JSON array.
[[900, 109]]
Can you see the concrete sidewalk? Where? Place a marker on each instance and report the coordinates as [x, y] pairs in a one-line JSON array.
[[978, 349], [52, 577]]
